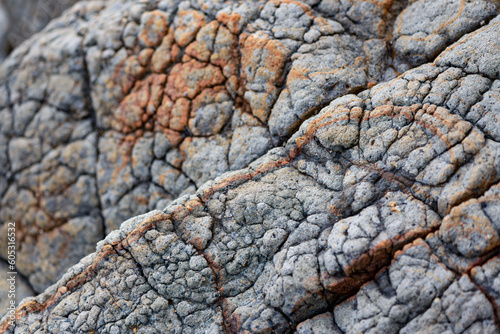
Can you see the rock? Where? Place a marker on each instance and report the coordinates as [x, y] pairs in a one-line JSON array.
[[4, 28], [418, 38], [18, 291], [290, 191], [20, 19]]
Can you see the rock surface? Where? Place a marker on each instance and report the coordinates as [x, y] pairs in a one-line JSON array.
[[282, 201]]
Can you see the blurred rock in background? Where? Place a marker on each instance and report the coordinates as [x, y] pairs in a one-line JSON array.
[[4, 28], [19, 19]]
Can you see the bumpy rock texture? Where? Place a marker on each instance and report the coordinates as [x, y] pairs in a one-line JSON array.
[[282, 202]]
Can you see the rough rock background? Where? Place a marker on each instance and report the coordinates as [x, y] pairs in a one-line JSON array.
[[295, 211], [20, 19], [4, 26]]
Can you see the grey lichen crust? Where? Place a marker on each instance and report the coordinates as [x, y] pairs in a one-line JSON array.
[[380, 213]]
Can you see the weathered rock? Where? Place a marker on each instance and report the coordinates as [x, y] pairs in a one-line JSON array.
[[378, 213], [119, 108]]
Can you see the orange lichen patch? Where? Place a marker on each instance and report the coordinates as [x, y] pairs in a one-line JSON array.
[[202, 48], [141, 93], [173, 137], [263, 61], [394, 207], [226, 182], [196, 242], [145, 56], [187, 24], [186, 58], [137, 108], [226, 52], [189, 79], [385, 110], [186, 146], [163, 111], [385, 8], [128, 116], [251, 53], [179, 114], [232, 21], [337, 211], [178, 159], [467, 222], [164, 54], [157, 84], [153, 28], [126, 74]]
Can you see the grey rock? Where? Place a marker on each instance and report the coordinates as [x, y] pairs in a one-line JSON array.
[[267, 195], [425, 28]]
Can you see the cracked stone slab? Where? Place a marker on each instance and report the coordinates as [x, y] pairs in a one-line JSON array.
[[378, 213], [120, 107]]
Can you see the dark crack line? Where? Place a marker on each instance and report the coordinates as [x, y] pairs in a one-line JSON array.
[[481, 261], [491, 300], [292, 325], [139, 267], [93, 117], [218, 286]]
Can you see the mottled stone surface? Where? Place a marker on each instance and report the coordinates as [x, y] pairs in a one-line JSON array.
[[290, 191]]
